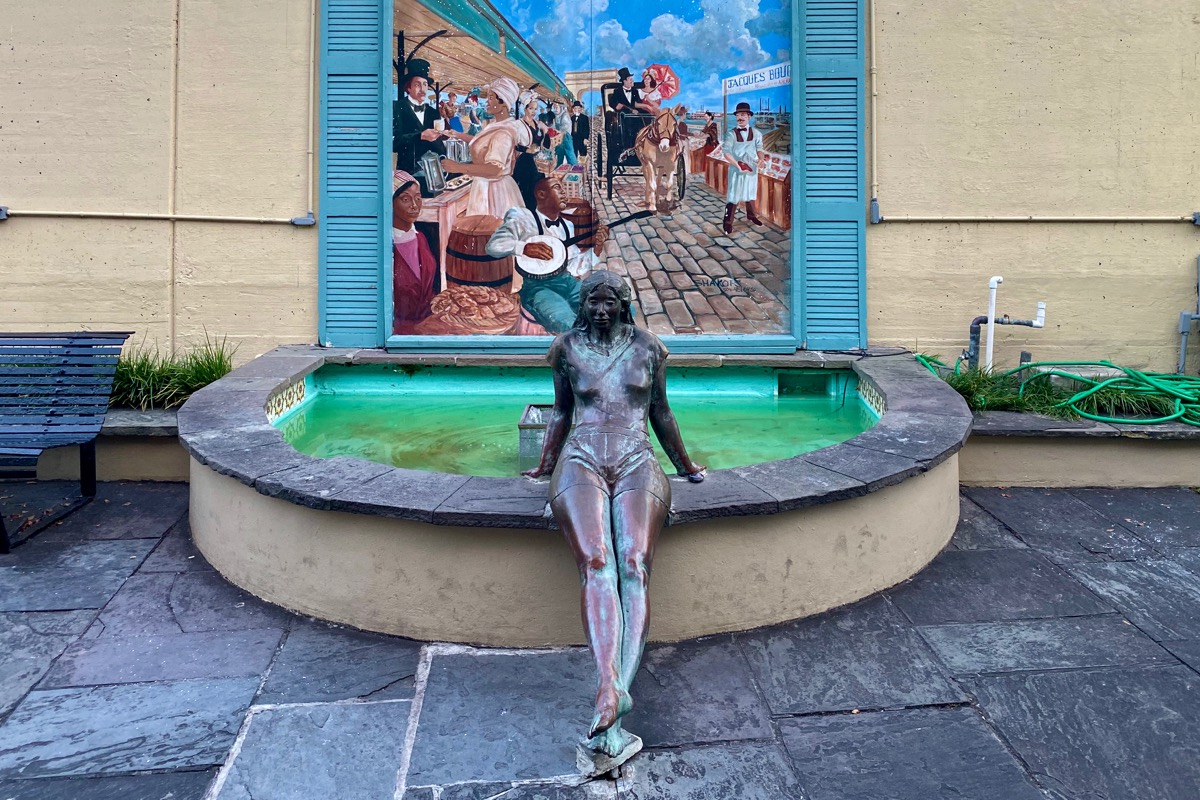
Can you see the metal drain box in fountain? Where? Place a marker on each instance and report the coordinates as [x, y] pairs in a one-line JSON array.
[[531, 432]]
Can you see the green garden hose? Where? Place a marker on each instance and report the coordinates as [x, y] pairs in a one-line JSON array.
[[1182, 390]]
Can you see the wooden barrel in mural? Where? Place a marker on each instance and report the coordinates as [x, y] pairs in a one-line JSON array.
[[467, 260], [583, 217]]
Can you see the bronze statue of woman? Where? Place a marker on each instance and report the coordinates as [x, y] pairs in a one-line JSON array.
[[607, 491]]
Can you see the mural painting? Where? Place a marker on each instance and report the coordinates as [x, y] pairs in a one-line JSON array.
[[651, 140]]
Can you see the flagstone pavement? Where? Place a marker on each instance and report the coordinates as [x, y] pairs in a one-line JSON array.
[[1051, 652]]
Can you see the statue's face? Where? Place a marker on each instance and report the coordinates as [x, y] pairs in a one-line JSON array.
[[603, 308]]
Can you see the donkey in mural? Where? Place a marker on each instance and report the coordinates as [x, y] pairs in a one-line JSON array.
[[658, 147]]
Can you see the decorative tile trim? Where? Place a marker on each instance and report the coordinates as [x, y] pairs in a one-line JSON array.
[[872, 397], [284, 401]]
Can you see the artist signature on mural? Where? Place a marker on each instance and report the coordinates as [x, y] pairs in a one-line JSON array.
[[720, 283]]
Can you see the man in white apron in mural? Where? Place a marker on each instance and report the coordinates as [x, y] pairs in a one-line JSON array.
[[743, 150]]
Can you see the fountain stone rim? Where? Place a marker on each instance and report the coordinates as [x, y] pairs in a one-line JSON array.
[[225, 426]]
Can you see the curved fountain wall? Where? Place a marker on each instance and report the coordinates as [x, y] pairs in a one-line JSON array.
[[473, 559]]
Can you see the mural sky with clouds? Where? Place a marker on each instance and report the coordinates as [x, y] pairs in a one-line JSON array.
[[703, 40]]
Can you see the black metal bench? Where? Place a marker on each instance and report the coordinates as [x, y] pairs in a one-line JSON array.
[[54, 390]]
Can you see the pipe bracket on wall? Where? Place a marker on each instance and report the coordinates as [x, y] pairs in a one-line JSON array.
[[3, 212], [1196, 217], [305, 221]]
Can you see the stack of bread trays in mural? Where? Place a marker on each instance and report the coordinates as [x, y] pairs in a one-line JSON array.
[[663, 154]]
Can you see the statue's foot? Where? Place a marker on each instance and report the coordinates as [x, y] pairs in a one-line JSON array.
[[612, 703], [593, 757], [611, 742]]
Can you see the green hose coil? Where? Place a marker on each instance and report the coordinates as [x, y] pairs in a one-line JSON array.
[[1182, 390]]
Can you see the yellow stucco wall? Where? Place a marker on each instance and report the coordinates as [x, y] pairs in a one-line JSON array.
[[1070, 107], [86, 117], [1061, 108]]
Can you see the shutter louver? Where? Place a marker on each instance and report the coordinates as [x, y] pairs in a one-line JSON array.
[[834, 230], [356, 109]]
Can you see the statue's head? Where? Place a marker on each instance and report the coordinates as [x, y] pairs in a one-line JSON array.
[[604, 298]]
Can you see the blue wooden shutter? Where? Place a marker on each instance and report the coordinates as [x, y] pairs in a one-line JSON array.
[[355, 129], [833, 211]]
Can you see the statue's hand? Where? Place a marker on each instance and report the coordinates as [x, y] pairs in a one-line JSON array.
[[696, 473]]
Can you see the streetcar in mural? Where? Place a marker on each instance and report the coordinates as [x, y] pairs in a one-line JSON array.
[[633, 146]]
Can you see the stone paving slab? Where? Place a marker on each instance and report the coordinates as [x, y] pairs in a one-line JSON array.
[[27, 505], [1160, 516], [676, 680], [162, 786], [920, 754], [1159, 596], [176, 553], [990, 586], [100, 556], [29, 643], [593, 790], [124, 729], [124, 510], [193, 602], [56, 588], [830, 663], [1123, 734], [1059, 525], [141, 607], [1187, 651], [1026, 645], [204, 601], [979, 530], [134, 659], [743, 770], [319, 752], [321, 663], [502, 717]]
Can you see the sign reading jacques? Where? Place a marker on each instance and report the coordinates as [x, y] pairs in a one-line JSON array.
[[765, 78]]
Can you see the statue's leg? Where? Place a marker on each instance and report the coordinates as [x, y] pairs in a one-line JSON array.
[[583, 513], [638, 516]]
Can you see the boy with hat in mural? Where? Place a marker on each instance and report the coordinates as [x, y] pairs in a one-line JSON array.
[[581, 130], [413, 132], [743, 150]]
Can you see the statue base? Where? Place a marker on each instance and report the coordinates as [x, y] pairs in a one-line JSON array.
[[594, 763]]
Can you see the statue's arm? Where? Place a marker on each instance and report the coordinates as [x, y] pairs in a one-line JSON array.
[[559, 424], [662, 420]]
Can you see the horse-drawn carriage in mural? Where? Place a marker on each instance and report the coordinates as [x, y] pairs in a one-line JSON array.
[[652, 146]]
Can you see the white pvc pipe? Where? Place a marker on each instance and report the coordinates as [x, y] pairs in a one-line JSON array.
[[992, 284]]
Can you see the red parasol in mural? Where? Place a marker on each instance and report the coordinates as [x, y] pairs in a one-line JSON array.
[[668, 81]]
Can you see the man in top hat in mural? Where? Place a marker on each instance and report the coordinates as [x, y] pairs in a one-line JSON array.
[[581, 130], [413, 133], [743, 149], [626, 97]]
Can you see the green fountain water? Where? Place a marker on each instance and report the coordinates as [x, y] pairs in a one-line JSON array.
[[464, 420]]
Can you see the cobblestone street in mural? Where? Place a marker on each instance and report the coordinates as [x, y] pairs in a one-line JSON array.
[[691, 277]]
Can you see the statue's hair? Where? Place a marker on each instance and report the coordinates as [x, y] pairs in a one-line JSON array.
[[609, 280]]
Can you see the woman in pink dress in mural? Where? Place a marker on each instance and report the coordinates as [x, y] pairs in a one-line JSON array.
[[414, 267], [493, 153]]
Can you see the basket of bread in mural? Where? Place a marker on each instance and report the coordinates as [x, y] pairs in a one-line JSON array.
[[478, 296]]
